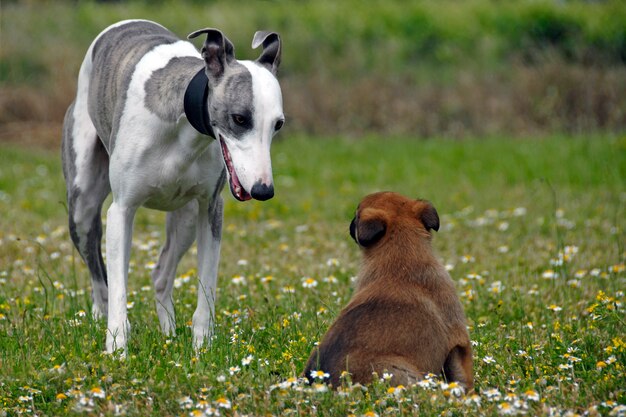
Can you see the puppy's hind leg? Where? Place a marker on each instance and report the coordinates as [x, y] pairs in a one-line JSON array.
[[402, 371], [86, 171], [458, 367], [181, 232]]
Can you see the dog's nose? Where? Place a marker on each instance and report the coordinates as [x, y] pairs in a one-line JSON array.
[[262, 191]]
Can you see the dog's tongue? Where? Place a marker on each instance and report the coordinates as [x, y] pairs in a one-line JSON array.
[[235, 186]]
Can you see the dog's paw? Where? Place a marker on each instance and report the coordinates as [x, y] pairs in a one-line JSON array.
[[98, 312], [117, 338], [202, 339], [202, 326]]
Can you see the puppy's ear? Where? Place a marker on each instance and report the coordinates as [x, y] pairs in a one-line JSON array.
[[218, 51], [427, 215], [369, 227], [353, 229]]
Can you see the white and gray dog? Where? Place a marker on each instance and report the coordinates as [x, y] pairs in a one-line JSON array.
[[159, 125]]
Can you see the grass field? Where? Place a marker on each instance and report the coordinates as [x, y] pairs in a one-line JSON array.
[[532, 232]]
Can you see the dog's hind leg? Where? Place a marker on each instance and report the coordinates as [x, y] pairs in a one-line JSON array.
[[458, 367], [86, 171], [402, 371], [181, 232]]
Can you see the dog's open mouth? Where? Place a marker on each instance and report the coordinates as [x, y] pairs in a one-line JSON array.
[[235, 186]]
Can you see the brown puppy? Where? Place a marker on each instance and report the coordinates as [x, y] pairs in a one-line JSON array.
[[405, 317]]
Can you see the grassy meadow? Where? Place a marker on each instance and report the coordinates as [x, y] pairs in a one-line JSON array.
[[532, 233]]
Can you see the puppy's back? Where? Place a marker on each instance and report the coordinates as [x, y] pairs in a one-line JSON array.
[[399, 329]]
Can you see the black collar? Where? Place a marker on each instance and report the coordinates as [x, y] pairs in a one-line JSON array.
[[196, 105]]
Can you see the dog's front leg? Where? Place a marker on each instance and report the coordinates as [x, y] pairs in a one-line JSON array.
[[119, 234], [209, 236]]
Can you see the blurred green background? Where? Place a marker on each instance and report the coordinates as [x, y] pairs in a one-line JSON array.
[[353, 68]]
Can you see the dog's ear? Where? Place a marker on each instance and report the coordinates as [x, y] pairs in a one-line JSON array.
[[218, 51], [427, 214], [353, 229], [270, 57], [369, 227]]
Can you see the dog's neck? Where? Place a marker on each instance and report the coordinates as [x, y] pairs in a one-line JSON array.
[[405, 257], [196, 103]]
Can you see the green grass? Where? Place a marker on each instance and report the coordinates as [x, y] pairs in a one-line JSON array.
[[549, 335]]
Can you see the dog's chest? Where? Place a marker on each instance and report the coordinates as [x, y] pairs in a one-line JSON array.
[[173, 179]]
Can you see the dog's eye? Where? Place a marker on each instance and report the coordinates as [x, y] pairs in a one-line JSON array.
[[278, 125], [240, 120]]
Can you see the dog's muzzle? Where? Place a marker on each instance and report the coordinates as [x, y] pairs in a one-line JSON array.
[[262, 191]]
